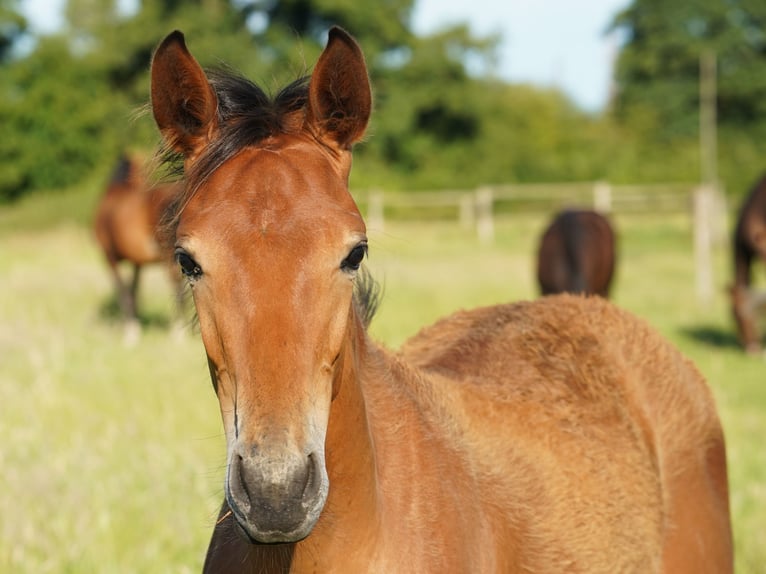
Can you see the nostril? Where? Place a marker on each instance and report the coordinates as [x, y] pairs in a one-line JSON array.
[[313, 479], [238, 489]]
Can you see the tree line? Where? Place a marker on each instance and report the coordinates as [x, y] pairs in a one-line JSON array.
[[72, 101]]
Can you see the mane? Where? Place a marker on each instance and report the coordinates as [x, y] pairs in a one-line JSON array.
[[122, 170], [367, 296], [246, 117]]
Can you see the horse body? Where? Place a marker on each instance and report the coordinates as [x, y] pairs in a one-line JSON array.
[[749, 245], [561, 435], [576, 254], [126, 226], [447, 464]]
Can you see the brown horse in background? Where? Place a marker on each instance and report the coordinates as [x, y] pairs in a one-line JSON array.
[[561, 435], [577, 254], [126, 226], [749, 245]]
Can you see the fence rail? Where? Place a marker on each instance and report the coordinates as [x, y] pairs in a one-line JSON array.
[[478, 208], [486, 200]]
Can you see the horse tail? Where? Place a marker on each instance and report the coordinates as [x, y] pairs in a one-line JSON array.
[[574, 238]]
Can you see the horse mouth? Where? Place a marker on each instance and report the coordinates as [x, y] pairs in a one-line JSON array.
[[268, 538], [276, 512], [257, 533]]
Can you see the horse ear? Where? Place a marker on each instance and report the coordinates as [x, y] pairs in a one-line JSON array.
[[340, 100], [183, 102]]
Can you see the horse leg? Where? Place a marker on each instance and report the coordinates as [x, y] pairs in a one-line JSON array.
[[121, 290], [742, 310], [743, 258], [132, 325], [744, 317]]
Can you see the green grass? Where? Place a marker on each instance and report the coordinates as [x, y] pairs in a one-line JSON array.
[[112, 456]]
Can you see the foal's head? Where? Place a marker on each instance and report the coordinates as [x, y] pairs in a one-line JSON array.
[[270, 241]]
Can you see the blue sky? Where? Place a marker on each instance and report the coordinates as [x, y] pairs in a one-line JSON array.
[[559, 43], [551, 43]]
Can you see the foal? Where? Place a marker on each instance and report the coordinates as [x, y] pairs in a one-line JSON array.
[[562, 435], [749, 246], [576, 254], [126, 226]]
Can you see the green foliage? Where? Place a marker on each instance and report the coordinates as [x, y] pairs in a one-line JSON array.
[[658, 73], [54, 111], [441, 120], [12, 27]]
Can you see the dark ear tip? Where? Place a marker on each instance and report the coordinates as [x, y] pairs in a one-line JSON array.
[[336, 32], [175, 37]]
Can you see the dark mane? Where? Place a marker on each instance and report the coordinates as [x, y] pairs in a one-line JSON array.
[[367, 295], [122, 171], [246, 116]]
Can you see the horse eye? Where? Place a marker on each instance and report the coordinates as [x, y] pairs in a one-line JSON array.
[[189, 267], [354, 259]]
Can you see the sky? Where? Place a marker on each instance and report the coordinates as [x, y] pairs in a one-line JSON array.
[[547, 43]]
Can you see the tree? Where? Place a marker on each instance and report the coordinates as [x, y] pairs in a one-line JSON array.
[[657, 71], [53, 114], [72, 104], [12, 27], [441, 118]]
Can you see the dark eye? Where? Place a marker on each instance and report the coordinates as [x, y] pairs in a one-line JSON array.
[[354, 259], [189, 266]]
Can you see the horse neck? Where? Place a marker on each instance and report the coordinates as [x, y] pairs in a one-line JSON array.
[[349, 448], [387, 403], [370, 418]]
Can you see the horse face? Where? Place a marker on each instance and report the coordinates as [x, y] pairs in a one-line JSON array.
[[271, 260], [270, 242]]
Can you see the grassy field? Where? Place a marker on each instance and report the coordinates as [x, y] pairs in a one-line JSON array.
[[112, 457]]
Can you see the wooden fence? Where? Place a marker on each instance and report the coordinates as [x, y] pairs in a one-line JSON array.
[[477, 209]]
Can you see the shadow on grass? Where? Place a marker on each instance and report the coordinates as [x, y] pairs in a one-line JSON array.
[[110, 312], [711, 336]]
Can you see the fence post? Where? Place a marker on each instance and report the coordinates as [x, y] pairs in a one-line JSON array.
[[485, 226], [375, 217], [467, 215], [704, 204], [602, 197]]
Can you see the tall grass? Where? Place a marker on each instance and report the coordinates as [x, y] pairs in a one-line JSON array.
[[112, 457]]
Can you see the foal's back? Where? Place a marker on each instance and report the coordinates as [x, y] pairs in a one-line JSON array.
[[610, 449]]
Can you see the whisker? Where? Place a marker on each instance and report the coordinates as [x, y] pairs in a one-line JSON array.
[[224, 517]]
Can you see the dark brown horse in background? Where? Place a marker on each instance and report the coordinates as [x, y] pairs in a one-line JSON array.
[[560, 435], [749, 245], [126, 226], [576, 254]]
